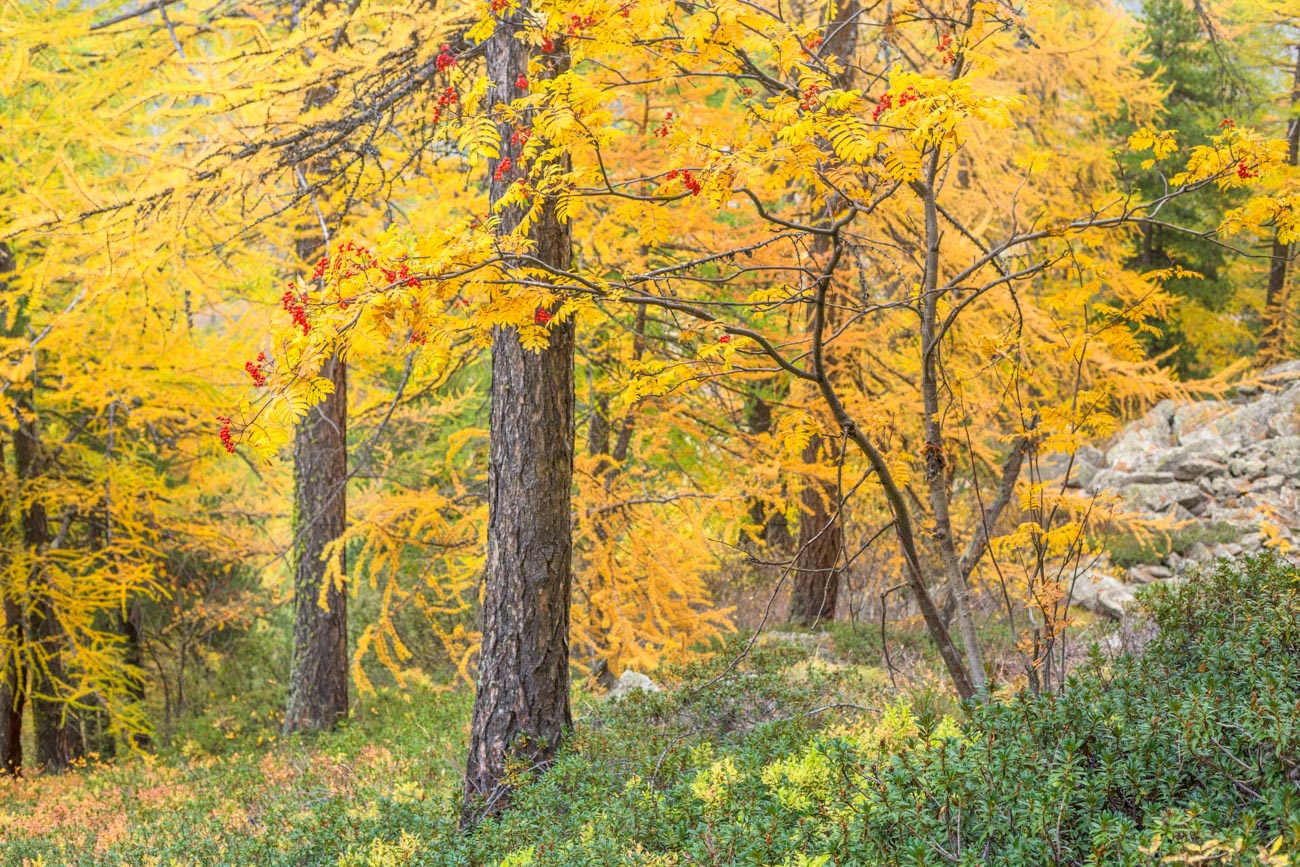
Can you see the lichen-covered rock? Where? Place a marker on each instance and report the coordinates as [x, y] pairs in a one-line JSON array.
[[632, 681]]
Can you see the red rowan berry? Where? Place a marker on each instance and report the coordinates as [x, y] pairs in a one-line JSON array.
[[227, 439], [445, 59]]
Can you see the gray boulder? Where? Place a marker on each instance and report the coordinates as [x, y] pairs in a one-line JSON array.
[[630, 682]]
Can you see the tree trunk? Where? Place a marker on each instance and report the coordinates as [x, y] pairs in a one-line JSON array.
[[57, 735], [1273, 346], [521, 706], [821, 528], [821, 538], [318, 677], [132, 627], [13, 688], [13, 670], [934, 451]]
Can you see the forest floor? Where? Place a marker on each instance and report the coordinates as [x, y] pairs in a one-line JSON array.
[[802, 753], [228, 791]]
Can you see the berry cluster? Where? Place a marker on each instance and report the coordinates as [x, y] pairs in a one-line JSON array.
[[691, 182], [448, 98], [726, 338], [499, 6], [548, 45], [502, 167], [887, 102], [1227, 123], [662, 130], [947, 48], [809, 99], [254, 369], [418, 338], [227, 439], [296, 305], [445, 59], [402, 274], [747, 91], [542, 316], [520, 136], [1244, 172], [577, 23]]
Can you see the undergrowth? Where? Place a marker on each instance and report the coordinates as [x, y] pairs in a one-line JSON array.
[[1188, 754]]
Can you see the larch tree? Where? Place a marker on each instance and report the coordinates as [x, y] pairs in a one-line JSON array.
[[521, 702]]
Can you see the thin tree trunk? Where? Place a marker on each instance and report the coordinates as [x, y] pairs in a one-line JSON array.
[[1273, 344], [935, 452], [13, 670], [521, 706], [821, 527], [318, 678]]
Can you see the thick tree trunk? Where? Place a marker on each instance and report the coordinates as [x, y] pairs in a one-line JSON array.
[[57, 735], [521, 707], [821, 538], [1273, 342], [318, 678]]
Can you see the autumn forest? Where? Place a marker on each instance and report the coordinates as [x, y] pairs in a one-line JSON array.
[[661, 432]]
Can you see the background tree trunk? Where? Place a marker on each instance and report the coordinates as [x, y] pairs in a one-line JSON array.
[[57, 735], [13, 689], [13, 671], [521, 706], [1273, 343], [821, 536], [318, 678], [817, 576]]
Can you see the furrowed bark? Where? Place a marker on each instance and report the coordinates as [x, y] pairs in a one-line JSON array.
[[521, 705], [318, 679]]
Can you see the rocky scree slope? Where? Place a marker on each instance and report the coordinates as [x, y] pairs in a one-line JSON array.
[[1225, 473]]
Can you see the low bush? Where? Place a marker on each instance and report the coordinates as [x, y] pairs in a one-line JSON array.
[[1188, 753]]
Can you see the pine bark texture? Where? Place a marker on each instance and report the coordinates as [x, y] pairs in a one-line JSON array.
[[318, 678], [521, 706]]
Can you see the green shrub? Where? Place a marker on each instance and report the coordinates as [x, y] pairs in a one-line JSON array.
[[1193, 742], [1126, 549], [1189, 752]]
